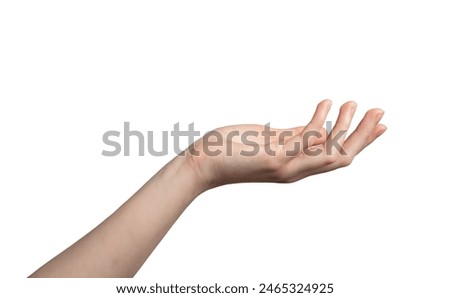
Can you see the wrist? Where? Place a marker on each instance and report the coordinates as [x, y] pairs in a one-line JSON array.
[[198, 166]]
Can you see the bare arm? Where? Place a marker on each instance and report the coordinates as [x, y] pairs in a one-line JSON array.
[[119, 246]]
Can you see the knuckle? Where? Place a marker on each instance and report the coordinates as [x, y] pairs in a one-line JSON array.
[[331, 158], [346, 161]]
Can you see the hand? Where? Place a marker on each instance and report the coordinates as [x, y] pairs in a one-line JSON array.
[[242, 153], [256, 153]]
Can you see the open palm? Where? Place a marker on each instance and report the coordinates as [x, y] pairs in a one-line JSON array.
[[257, 153]]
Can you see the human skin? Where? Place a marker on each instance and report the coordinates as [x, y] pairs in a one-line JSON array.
[[120, 245]]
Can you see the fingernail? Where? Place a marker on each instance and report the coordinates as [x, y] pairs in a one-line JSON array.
[[382, 131], [380, 115]]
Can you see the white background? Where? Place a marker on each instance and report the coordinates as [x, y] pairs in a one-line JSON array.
[[69, 71]]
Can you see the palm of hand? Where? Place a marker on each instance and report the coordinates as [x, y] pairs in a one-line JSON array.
[[256, 153]]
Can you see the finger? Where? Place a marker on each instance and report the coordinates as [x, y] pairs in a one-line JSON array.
[[309, 163], [320, 139], [319, 117], [311, 133], [366, 132], [336, 138], [378, 131], [286, 135]]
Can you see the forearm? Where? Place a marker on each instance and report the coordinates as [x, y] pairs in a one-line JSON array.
[[120, 245]]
